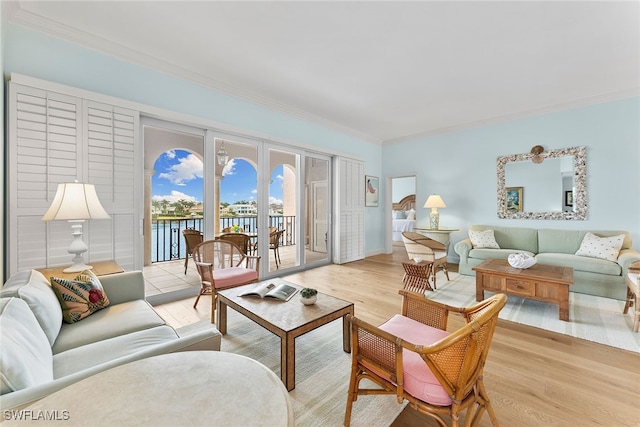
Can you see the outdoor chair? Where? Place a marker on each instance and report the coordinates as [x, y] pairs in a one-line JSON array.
[[274, 245], [221, 264], [241, 240], [420, 246], [413, 356], [192, 238]]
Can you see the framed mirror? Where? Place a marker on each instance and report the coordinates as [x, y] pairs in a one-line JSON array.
[[552, 187]]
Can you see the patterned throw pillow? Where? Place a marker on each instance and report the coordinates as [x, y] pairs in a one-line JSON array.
[[483, 239], [601, 247], [79, 297]]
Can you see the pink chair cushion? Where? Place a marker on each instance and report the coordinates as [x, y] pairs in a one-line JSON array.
[[232, 276], [419, 381]]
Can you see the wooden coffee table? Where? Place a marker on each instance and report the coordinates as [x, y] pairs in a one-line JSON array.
[[287, 320], [547, 283]]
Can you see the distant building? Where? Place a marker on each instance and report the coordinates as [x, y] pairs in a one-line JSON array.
[[244, 209]]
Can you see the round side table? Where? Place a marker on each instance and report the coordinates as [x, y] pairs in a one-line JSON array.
[[195, 388]]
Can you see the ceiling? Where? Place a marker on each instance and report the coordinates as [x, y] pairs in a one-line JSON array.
[[385, 71]]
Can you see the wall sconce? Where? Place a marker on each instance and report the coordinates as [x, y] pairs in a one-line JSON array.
[[76, 202], [223, 156], [536, 153], [434, 202]]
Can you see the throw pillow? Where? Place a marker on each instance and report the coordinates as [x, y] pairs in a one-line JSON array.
[[79, 297], [601, 247], [34, 289], [411, 214], [483, 239]]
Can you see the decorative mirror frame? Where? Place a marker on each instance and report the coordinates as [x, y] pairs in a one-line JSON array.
[[579, 195]]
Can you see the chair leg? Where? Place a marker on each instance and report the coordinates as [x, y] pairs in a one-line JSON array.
[[197, 299], [186, 260]]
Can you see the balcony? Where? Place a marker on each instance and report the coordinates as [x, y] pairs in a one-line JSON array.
[[166, 272]]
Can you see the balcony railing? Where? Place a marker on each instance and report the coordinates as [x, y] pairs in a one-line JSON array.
[[167, 243]]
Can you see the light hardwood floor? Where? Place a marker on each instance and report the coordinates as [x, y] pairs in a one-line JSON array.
[[534, 377]]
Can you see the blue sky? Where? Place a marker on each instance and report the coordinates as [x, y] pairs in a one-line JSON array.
[[179, 176]]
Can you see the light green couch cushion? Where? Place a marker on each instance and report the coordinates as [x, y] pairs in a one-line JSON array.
[[25, 353], [34, 289], [494, 253], [580, 263], [110, 322], [568, 241], [520, 238]]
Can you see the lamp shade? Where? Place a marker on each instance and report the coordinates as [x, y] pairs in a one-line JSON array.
[[75, 201], [434, 201]]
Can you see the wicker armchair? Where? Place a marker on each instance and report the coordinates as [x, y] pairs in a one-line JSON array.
[[241, 240], [412, 356], [274, 245], [221, 264], [192, 238], [420, 246]]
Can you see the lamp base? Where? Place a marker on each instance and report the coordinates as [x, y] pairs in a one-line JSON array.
[[434, 220], [77, 247]]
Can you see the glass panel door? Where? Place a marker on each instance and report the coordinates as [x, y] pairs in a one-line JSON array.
[[318, 209], [284, 210]]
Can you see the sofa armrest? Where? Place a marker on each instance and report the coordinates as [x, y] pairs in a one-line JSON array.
[[202, 339], [462, 248], [123, 287], [626, 257]]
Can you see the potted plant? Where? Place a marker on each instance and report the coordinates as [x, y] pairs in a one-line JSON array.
[[308, 296]]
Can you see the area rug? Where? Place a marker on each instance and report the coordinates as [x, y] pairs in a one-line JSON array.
[[322, 373], [591, 318]]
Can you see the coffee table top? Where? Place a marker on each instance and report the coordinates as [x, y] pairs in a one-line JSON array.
[[285, 315], [543, 272]]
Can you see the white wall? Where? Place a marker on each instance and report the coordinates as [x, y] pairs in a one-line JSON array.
[[464, 173], [402, 187]]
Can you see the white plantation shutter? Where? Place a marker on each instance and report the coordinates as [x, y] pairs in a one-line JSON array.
[[111, 133], [55, 138], [350, 188]]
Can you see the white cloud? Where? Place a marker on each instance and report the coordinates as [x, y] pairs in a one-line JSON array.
[[280, 178], [170, 154], [188, 168], [174, 197], [274, 201], [254, 191], [229, 168]]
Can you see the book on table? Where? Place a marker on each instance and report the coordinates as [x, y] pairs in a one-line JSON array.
[[279, 291]]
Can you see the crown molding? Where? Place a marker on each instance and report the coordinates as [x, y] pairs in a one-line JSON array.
[[20, 16], [583, 102]]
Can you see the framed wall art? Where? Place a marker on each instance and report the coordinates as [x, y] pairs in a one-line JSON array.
[[371, 190], [568, 198], [514, 199]]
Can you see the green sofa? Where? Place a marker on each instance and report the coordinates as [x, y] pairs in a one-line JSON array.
[[592, 276]]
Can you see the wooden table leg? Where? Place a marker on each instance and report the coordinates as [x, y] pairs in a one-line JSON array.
[[479, 290], [221, 316], [288, 361], [564, 305], [346, 333]]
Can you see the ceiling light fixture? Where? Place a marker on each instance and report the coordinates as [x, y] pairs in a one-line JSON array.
[[223, 156]]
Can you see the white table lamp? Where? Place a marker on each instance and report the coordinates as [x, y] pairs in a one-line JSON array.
[[76, 202], [434, 202]]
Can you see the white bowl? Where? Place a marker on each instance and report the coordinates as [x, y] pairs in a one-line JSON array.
[[521, 260]]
